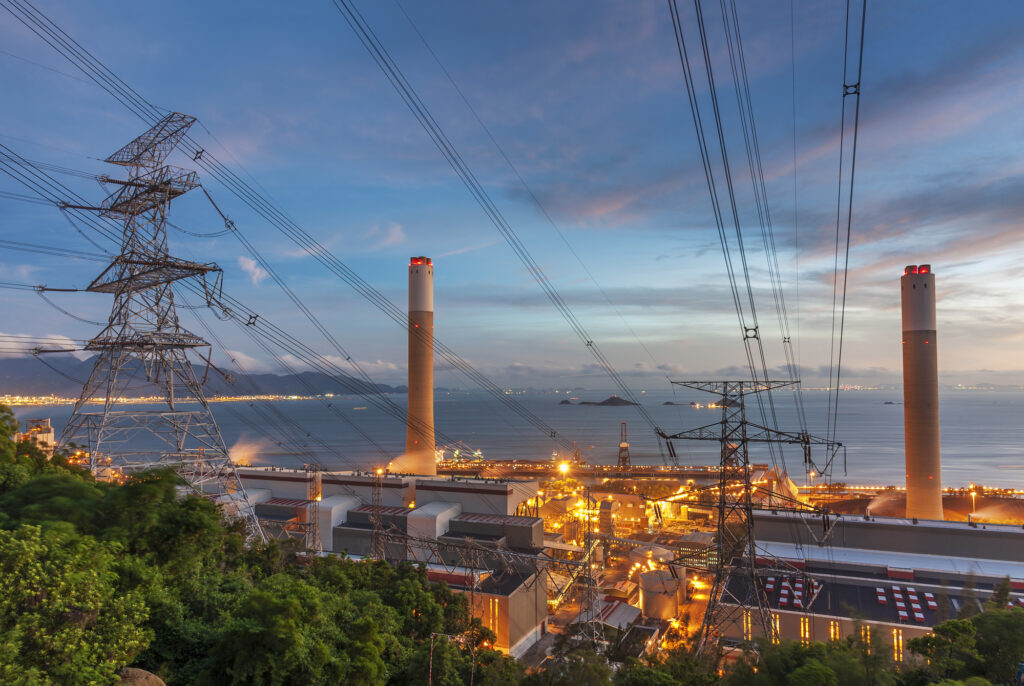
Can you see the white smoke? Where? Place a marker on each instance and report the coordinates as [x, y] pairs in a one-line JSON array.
[[247, 451]]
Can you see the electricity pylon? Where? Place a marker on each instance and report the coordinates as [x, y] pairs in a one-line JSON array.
[[737, 594], [143, 345]]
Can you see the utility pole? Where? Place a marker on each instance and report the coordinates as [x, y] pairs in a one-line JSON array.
[[144, 345], [737, 594]]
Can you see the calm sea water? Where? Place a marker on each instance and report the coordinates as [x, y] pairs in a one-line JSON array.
[[982, 432]]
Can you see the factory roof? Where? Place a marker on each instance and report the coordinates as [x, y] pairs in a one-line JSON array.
[[618, 614], [895, 521], [873, 600], [496, 519], [886, 559], [287, 502], [504, 583], [384, 509]]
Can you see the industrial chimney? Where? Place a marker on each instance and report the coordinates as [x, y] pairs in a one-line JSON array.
[[921, 393], [419, 436]]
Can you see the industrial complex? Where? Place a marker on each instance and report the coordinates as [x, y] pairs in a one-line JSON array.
[[647, 557], [639, 558]]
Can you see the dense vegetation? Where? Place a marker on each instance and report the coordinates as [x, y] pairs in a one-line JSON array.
[[96, 576]]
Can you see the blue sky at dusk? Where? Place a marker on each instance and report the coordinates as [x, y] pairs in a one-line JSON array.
[[588, 101]]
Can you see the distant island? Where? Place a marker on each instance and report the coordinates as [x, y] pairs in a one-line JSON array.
[[613, 401]]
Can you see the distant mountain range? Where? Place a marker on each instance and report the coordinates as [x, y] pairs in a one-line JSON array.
[[29, 376]]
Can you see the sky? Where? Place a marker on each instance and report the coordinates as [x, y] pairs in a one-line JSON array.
[[587, 101]]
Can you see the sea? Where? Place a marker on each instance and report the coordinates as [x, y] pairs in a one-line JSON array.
[[982, 431]]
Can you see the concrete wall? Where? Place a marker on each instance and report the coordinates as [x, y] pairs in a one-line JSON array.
[[357, 541], [952, 539], [293, 483], [280, 511], [520, 532], [331, 512], [517, 619], [430, 521], [487, 496]]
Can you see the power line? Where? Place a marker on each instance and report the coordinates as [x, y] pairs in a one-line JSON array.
[[393, 73], [59, 40], [526, 187], [746, 314], [850, 88]]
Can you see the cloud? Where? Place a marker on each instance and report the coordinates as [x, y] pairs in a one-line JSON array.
[[23, 345], [701, 297], [256, 273], [247, 363], [348, 367], [468, 248], [386, 236]]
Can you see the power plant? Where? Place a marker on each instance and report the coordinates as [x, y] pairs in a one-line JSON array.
[[419, 436], [550, 554], [921, 393]]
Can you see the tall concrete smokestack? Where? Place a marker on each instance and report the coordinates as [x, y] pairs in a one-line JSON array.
[[419, 435], [921, 394]]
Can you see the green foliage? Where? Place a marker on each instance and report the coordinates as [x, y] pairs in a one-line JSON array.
[[1000, 595], [582, 665], [94, 577], [949, 649], [635, 673], [999, 639], [968, 599], [849, 662], [61, 617]]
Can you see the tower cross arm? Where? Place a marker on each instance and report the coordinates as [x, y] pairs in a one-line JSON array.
[[708, 432], [763, 434]]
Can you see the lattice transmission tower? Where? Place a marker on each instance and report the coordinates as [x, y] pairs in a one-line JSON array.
[[143, 345], [737, 594], [624, 462]]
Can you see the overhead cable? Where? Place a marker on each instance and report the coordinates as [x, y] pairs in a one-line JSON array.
[[59, 40], [393, 73], [844, 224]]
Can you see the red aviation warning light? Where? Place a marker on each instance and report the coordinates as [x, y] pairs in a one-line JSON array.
[[910, 269], [416, 261]]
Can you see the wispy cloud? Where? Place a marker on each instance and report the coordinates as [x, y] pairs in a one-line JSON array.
[[387, 236], [256, 273]]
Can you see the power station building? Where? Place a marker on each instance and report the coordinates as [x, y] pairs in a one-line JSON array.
[[437, 520], [921, 393], [884, 579]]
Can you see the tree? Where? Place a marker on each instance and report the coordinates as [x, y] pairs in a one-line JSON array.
[[969, 598], [635, 673], [62, 618], [999, 640], [812, 673], [288, 631], [949, 649], [1000, 595], [580, 666]]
